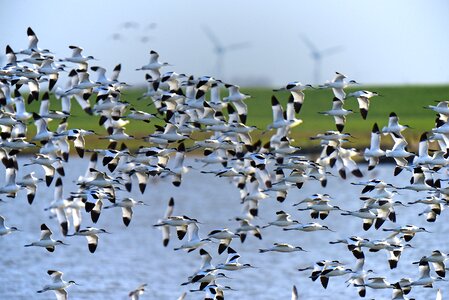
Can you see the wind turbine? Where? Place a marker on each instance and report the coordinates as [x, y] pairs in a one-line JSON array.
[[317, 56], [220, 50]]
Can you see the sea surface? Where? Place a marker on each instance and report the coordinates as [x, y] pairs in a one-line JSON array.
[[133, 255]]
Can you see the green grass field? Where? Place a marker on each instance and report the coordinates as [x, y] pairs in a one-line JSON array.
[[406, 101]]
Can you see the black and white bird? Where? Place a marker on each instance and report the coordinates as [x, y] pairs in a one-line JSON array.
[[296, 89], [137, 292], [338, 84], [91, 234], [363, 98], [338, 112], [374, 153], [57, 285], [4, 230], [224, 236], [127, 205], [45, 240], [194, 241], [282, 247], [393, 126]]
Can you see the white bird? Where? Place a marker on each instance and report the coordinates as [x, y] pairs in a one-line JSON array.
[[394, 126], [398, 292], [46, 113], [45, 240], [4, 230], [237, 99], [154, 65], [441, 108], [437, 258], [296, 89], [205, 278], [91, 234], [11, 187], [194, 241], [180, 222], [170, 134], [58, 285], [136, 293], [43, 134], [338, 85], [179, 169], [32, 44], [232, 262], [419, 182], [245, 227], [279, 121], [77, 57], [374, 152], [49, 68], [377, 283], [363, 98], [21, 113], [366, 214], [408, 231], [309, 227], [338, 112], [282, 247], [225, 237], [358, 277], [283, 219], [320, 209], [425, 279], [399, 152], [127, 204], [139, 115], [332, 272], [423, 157]]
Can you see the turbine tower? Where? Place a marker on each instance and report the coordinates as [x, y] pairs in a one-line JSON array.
[[220, 50], [317, 56]]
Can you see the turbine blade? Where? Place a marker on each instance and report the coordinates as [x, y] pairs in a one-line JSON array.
[[212, 37]]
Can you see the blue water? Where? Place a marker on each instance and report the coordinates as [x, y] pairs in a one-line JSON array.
[[134, 255]]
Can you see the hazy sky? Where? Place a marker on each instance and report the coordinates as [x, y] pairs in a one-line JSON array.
[[381, 41]]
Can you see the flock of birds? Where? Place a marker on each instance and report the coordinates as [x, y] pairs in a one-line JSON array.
[[261, 172]]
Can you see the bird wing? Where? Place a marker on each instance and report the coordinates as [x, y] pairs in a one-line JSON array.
[[49, 174], [278, 113], [45, 233], [92, 241], [298, 100], [76, 217], [170, 208], [116, 72], [62, 219], [242, 110], [294, 293], [339, 93], [32, 39], [165, 234], [61, 294], [340, 122], [127, 213], [76, 51], [55, 275], [363, 106]]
